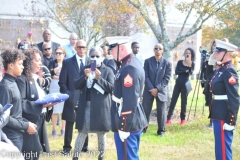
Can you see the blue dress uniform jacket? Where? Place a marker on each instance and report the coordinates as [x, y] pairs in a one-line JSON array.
[[225, 82], [128, 86]]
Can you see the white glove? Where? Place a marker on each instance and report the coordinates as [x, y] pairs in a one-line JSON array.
[[228, 127], [123, 135]]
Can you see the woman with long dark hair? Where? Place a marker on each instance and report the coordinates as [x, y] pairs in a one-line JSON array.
[[183, 69], [29, 87]]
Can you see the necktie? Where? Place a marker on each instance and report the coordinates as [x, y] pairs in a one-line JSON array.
[[81, 64], [158, 63]]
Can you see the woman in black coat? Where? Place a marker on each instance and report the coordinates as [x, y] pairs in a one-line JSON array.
[[29, 87], [93, 113]]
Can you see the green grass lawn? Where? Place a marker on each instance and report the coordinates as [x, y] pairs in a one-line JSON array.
[[193, 141]]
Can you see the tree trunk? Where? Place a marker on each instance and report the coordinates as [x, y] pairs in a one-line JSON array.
[[168, 55]]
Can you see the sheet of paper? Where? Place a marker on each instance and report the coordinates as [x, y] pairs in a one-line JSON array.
[[98, 88]]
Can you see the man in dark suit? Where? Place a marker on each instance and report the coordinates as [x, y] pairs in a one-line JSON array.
[[47, 36], [157, 75], [71, 70]]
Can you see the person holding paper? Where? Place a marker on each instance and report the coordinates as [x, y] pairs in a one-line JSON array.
[[183, 69], [94, 110]]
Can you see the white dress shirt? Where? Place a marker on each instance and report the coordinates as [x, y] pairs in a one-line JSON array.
[[78, 60]]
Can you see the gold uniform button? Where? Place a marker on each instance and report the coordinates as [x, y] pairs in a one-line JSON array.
[[122, 123], [123, 118], [121, 128], [231, 120]]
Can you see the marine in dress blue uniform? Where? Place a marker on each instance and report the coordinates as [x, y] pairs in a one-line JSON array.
[[127, 114], [225, 103]]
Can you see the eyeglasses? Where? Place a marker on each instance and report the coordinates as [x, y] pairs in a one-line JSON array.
[[95, 56], [158, 49], [45, 49], [60, 53], [81, 47]]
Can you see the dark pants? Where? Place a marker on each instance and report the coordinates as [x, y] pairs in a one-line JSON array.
[[17, 141], [161, 109], [223, 141], [31, 156], [68, 137], [131, 146], [207, 93], [42, 132], [178, 88]]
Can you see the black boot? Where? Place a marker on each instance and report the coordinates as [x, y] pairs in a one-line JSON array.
[[101, 155]]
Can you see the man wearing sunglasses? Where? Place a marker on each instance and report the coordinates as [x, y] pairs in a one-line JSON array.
[[70, 71], [47, 54], [128, 118], [157, 73]]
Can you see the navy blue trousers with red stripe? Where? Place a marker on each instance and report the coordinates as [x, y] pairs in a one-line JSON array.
[[131, 145], [223, 141]]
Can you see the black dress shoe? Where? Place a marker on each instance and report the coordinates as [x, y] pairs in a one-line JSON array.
[[86, 150], [64, 152], [161, 134], [144, 130]]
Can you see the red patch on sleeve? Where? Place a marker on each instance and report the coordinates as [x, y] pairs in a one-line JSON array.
[[232, 80], [128, 81]]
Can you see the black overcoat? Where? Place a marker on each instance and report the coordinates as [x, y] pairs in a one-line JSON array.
[[100, 109], [31, 112], [69, 72]]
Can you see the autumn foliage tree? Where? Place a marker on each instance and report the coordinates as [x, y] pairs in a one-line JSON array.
[[227, 24], [92, 20], [201, 9]]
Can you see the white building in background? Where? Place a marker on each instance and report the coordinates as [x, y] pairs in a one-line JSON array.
[[16, 22], [147, 43]]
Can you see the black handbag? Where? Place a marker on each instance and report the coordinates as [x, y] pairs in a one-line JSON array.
[[48, 114]]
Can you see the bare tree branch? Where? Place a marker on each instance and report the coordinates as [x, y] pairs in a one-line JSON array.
[[143, 11], [199, 22], [185, 21]]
